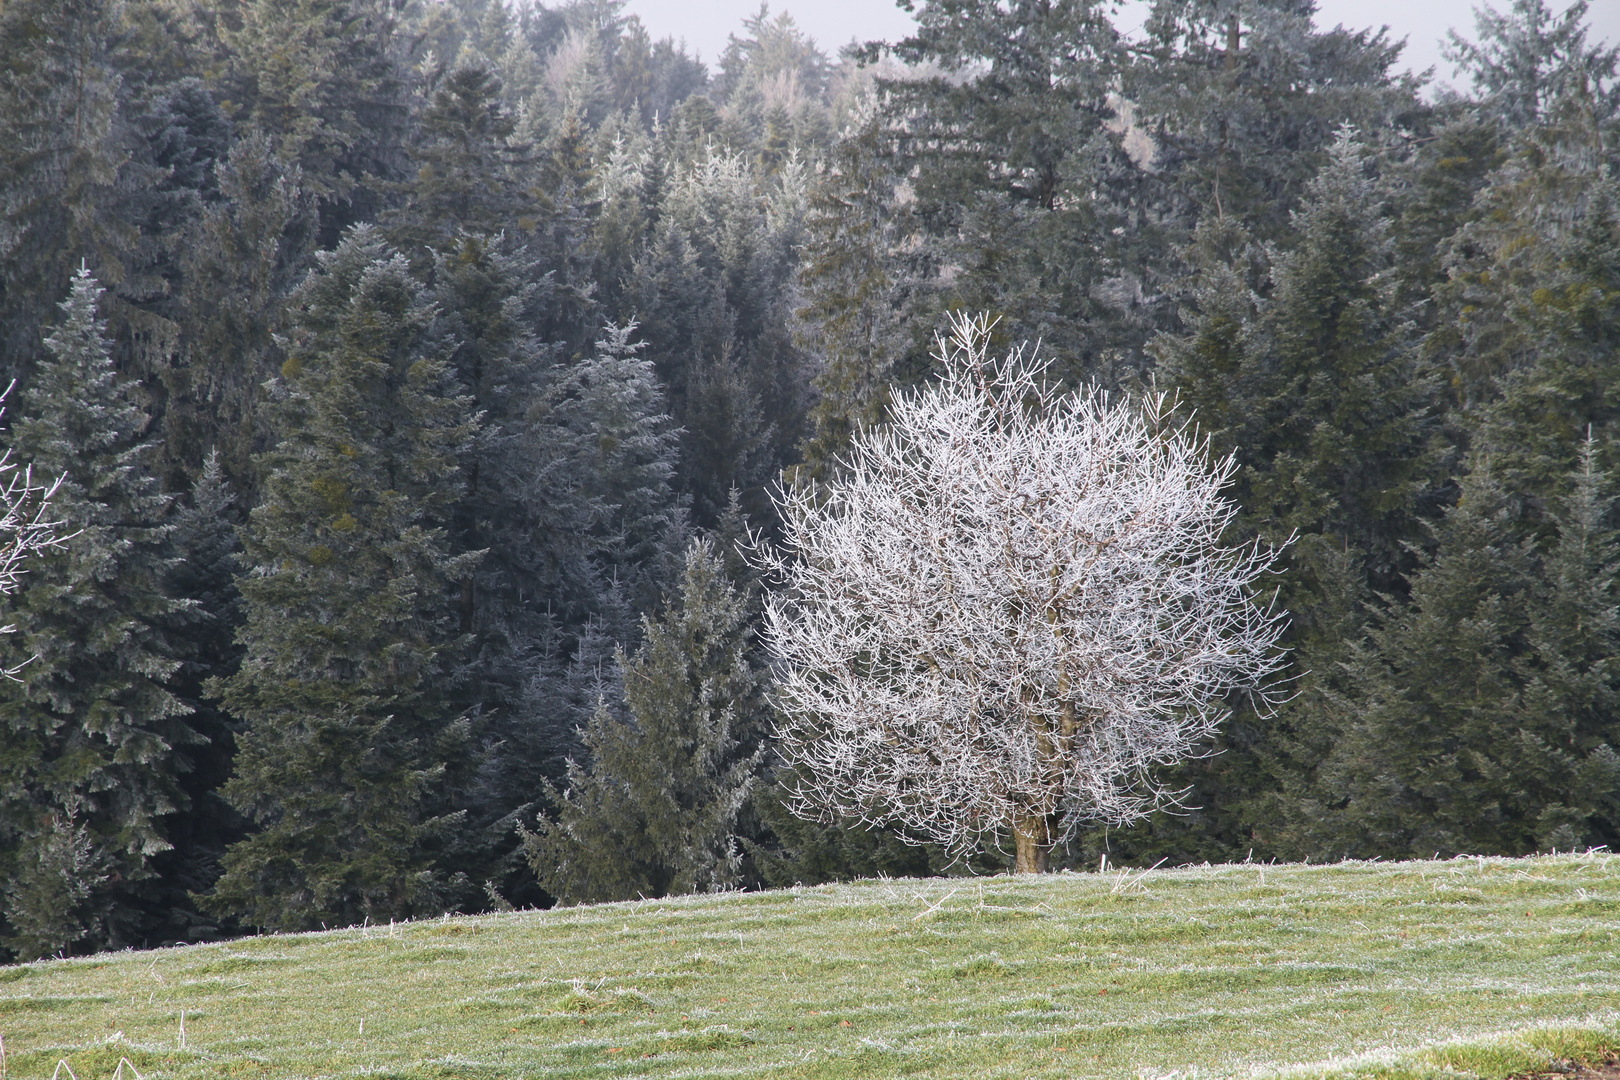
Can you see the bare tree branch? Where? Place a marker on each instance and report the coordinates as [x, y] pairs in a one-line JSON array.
[[26, 525]]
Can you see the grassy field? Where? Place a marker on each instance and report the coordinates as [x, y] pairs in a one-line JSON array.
[[1220, 971]]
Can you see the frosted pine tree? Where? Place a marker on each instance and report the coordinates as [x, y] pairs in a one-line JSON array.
[[600, 453], [206, 547], [92, 738], [59, 121]]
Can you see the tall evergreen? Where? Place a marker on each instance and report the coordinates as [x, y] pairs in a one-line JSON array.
[[611, 407], [59, 122], [93, 740], [206, 548], [654, 811], [850, 277], [771, 79], [1528, 58], [1478, 717], [352, 747], [468, 170], [244, 255], [713, 292], [1021, 174], [1241, 102], [1316, 389], [1526, 320], [1568, 764], [584, 536], [530, 507], [322, 79], [1441, 183]]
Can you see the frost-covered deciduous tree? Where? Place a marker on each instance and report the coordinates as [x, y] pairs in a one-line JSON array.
[[1010, 609]]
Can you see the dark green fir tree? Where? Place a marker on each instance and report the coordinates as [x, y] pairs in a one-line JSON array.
[[1566, 789], [654, 810], [352, 743], [1241, 103], [1316, 390], [244, 255], [1478, 717], [711, 289], [598, 536], [93, 741], [323, 80], [1018, 170], [206, 548], [468, 169], [59, 91], [852, 319]]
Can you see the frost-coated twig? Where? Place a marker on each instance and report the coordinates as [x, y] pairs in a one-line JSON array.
[[937, 905], [1126, 881], [1012, 607], [26, 525]]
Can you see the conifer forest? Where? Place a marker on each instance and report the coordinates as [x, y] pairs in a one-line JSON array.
[[426, 379]]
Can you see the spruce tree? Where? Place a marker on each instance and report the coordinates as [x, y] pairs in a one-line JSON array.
[[631, 180], [1428, 701], [1528, 58], [206, 550], [609, 411], [1567, 767], [1334, 441], [591, 537], [851, 318], [1441, 182], [322, 80], [530, 506], [712, 291], [245, 254], [1316, 389], [93, 740], [1477, 717], [654, 811], [1534, 265], [1242, 102], [59, 123], [352, 745], [1018, 175], [468, 169], [1531, 321]]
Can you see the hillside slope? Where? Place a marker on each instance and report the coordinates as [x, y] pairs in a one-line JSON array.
[[1215, 971]]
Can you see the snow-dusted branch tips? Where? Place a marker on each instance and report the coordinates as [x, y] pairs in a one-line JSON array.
[[26, 525], [1013, 605]]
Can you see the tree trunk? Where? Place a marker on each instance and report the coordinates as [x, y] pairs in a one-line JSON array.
[[1034, 844]]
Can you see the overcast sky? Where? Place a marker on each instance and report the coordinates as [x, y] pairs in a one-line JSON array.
[[704, 24]]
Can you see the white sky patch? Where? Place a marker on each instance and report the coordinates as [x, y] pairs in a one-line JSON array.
[[705, 24]]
